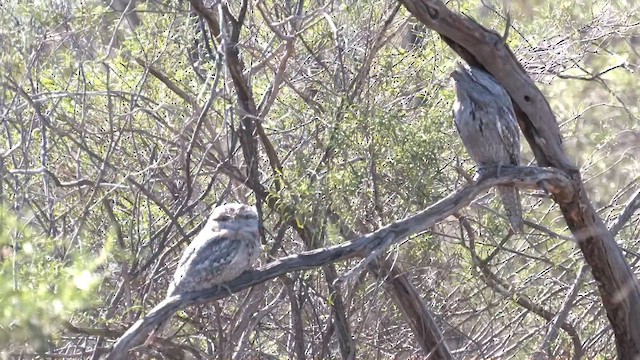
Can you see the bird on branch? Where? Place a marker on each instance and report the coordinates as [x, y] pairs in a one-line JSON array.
[[484, 117], [227, 246]]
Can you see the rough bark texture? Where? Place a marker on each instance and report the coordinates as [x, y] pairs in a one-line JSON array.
[[248, 134], [549, 179], [415, 311], [479, 46]]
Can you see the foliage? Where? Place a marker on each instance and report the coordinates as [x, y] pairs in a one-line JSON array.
[[104, 144], [38, 288]]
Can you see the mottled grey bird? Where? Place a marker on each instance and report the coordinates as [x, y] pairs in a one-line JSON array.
[[486, 122], [227, 246]]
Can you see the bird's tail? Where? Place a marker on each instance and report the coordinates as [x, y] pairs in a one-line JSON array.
[[510, 197], [162, 326]]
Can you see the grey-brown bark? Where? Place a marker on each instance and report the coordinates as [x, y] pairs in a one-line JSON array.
[[479, 46], [415, 311], [552, 180], [251, 130]]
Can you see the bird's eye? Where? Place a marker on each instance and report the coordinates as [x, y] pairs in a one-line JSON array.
[[223, 218], [247, 216]]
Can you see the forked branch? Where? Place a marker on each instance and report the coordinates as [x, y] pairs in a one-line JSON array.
[[551, 180]]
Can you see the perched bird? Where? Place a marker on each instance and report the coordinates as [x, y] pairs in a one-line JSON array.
[[484, 117], [227, 246]]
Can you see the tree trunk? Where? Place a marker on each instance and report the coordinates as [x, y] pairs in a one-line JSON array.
[[479, 46]]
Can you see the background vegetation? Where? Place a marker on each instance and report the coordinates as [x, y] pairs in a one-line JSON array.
[[118, 134]]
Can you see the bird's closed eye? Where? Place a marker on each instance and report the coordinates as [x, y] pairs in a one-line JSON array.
[[223, 218]]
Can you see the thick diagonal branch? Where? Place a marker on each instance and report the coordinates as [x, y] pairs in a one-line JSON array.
[[480, 46], [551, 180], [618, 286]]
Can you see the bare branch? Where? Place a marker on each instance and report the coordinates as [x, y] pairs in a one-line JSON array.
[[550, 179], [483, 47], [562, 315], [618, 285], [629, 209]]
